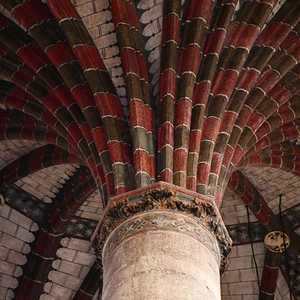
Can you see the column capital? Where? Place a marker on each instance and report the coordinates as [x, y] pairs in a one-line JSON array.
[[167, 197]]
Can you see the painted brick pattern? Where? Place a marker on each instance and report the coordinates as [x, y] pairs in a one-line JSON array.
[[233, 209], [272, 182], [97, 18], [16, 234], [239, 281], [73, 262], [45, 183], [151, 22], [91, 208], [12, 149]]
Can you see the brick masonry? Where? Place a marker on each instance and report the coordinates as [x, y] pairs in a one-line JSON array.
[[272, 182], [45, 183], [16, 234], [239, 281], [12, 149], [97, 18], [151, 22], [73, 262], [92, 208], [233, 209]]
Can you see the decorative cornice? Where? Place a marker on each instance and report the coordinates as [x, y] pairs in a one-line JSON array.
[[163, 196]]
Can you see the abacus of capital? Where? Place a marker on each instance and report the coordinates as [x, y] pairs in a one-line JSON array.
[[162, 242]]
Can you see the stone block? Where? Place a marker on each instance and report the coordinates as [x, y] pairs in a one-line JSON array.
[[24, 235], [20, 219], [97, 18], [231, 276], [81, 245], [250, 297], [70, 268], [47, 287], [11, 242], [84, 258], [8, 281], [8, 226], [101, 5], [145, 4], [224, 289], [248, 275], [3, 252], [10, 295], [26, 248], [237, 263], [5, 211], [64, 279], [66, 254], [85, 9], [7, 268], [106, 28], [60, 292], [47, 297], [3, 292], [151, 14], [65, 242], [245, 250], [243, 288], [16, 258], [232, 298], [106, 40]]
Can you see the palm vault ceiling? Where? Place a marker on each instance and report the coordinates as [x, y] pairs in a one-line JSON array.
[[99, 97]]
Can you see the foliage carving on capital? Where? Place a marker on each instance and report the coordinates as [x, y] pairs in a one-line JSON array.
[[164, 198]]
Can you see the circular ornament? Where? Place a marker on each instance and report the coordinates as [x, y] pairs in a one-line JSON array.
[[277, 241]]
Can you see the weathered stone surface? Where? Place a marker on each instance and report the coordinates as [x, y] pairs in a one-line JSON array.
[[163, 257]]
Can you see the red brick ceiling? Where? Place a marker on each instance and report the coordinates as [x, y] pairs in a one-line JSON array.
[[180, 92]]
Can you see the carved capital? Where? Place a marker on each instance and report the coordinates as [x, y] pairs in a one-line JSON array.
[[164, 197]]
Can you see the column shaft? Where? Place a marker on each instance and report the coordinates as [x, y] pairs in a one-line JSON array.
[[161, 256]]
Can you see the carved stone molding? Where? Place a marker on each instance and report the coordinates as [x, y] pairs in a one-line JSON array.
[[161, 220], [163, 196]]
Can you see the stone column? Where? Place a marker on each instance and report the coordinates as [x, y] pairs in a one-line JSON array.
[[162, 243]]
